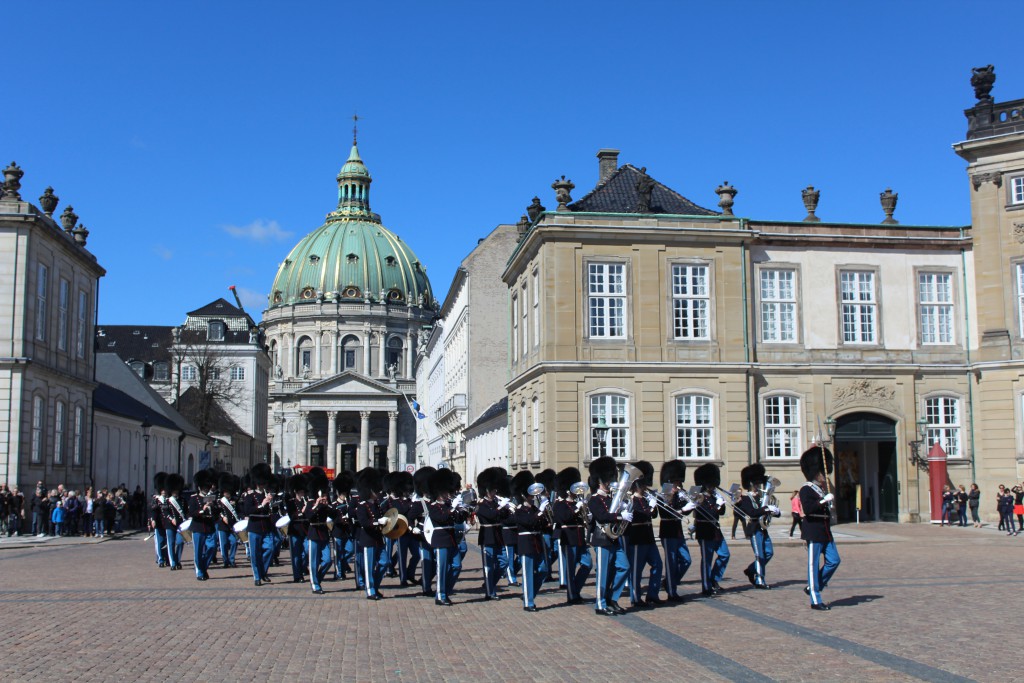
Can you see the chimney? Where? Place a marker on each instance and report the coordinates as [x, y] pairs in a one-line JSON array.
[[608, 162]]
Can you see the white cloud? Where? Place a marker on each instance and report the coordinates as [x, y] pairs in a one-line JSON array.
[[254, 302], [258, 231], [163, 252]]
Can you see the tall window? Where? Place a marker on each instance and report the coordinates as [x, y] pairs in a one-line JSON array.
[[42, 286], [526, 321], [213, 373], [512, 432], [781, 426], [943, 415], [526, 441], [63, 296], [1017, 190], [1020, 297], [935, 302], [215, 331], [614, 410], [694, 427], [76, 455], [189, 373], [778, 306], [237, 373], [58, 434], [37, 429], [607, 300], [81, 332], [536, 308], [161, 371], [394, 357], [859, 307], [515, 327], [691, 302], [536, 429]]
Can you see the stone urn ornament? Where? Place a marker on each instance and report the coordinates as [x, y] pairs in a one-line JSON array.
[[522, 226], [889, 199], [49, 201], [81, 234], [69, 218], [982, 80], [12, 182], [535, 209], [727, 194], [810, 197], [562, 188]]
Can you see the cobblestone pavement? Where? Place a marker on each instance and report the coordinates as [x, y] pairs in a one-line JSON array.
[[910, 602]]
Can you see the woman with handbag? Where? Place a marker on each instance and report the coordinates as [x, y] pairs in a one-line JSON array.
[[974, 500]]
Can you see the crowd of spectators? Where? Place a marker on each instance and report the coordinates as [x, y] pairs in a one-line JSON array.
[[956, 501], [67, 512]]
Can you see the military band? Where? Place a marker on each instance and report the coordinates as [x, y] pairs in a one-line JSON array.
[[422, 517]]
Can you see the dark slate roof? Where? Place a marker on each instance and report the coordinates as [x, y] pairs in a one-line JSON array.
[[499, 407], [618, 194], [111, 400], [219, 309], [147, 343]]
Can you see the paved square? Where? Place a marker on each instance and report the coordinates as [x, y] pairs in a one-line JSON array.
[[910, 602]]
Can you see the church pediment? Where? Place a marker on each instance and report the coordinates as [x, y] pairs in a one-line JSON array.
[[348, 383]]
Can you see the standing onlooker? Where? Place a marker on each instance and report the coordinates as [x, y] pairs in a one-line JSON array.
[[1018, 506], [961, 504], [72, 513], [87, 512], [16, 512], [99, 513], [1006, 510], [974, 500], [794, 507], [39, 524], [57, 516], [948, 504], [5, 505]]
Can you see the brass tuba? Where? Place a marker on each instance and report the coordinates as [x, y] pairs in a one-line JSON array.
[[629, 476], [768, 498]]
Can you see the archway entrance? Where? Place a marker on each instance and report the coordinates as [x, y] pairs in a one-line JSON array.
[[865, 449]]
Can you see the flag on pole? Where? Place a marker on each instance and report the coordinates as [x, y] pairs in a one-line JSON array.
[[414, 406]]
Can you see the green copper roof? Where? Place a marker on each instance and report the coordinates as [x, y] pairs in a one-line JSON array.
[[352, 256]]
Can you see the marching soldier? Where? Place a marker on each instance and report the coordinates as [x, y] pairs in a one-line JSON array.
[[408, 547], [156, 520], [571, 517], [612, 565], [509, 563], [714, 553], [547, 478], [318, 537], [343, 533], [226, 536], [532, 523], [444, 513], [369, 539], [298, 526], [418, 525], [173, 517], [641, 548], [257, 507], [816, 528], [673, 540], [202, 507], [755, 508], [490, 513]]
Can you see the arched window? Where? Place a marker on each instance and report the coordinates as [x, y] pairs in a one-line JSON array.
[[695, 429], [304, 354], [215, 331], [59, 420], [943, 415], [614, 409], [350, 357], [781, 426], [38, 419], [394, 356]]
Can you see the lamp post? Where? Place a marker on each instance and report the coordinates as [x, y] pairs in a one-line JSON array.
[[601, 430], [147, 427], [916, 458]]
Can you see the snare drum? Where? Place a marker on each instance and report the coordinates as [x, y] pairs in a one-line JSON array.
[[184, 530], [283, 523], [241, 529]]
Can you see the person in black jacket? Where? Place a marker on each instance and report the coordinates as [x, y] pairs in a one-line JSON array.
[[444, 512], [408, 545], [369, 539], [714, 552], [417, 523], [677, 554], [816, 530], [316, 511], [156, 518], [257, 506], [532, 523], [755, 508], [174, 515], [298, 525], [204, 511], [641, 549], [490, 513], [974, 501], [343, 533], [571, 516], [612, 563]]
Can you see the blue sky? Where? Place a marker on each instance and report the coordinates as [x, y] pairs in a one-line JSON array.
[[199, 141]]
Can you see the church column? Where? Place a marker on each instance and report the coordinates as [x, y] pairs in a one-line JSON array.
[[366, 354], [317, 369], [382, 336], [408, 354], [292, 360], [334, 353], [278, 438], [364, 439], [302, 454], [393, 440], [332, 459]]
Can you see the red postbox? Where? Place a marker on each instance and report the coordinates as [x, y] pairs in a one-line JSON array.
[[936, 479]]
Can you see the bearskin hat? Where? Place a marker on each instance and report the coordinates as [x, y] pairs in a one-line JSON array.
[[261, 475], [814, 461], [421, 481], [603, 471], [204, 479], [343, 483], [565, 479], [160, 482], [317, 483], [648, 470], [547, 477], [316, 470], [403, 484], [456, 482], [387, 482], [708, 475], [175, 483], [228, 483], [673, 470], [442, 482], [753, 476], [520, 482], [368, 482], [487, 480], [503, 484]]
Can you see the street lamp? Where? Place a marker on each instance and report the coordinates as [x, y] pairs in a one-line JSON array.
[[916, 458], [147, 427], [601, 430]]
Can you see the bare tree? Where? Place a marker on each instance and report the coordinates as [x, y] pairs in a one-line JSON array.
[[205, 368]]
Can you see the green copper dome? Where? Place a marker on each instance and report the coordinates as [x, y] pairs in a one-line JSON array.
[[352, 256]]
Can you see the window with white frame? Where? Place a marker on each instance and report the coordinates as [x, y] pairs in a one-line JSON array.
[[694, 427], [42, 287], [237, 374], [523, 414], [781, 426], [189, 373], [536, 308], [778, 305], [58, 433], [536, 429], [691, 302], [943, 415], [859, 307], [79, 435], [615, 411], [81, 332], [606, 301], [38, 418], [1020, 298], [512, 431], [1017, 190], [526, 321], [215, 331], [935, 307], [515, 327], [63, 299], [161, 371], [213, 373]]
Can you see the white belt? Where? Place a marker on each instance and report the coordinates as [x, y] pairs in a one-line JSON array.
[[528, 533]]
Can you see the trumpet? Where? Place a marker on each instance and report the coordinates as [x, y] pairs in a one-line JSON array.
[[537, 491]]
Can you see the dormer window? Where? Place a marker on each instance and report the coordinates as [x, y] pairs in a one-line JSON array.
[[314, 259], [351, 292], [308, 293], [139, 368], [390, 260], [394, 295], [352, 258], [278, 297], [215, 331], [161, 371]]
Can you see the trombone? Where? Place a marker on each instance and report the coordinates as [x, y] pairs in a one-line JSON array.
[[731, 496]]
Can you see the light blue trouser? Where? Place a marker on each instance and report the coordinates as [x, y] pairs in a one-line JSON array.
[[203, 548], [444, 559], [509, 562], [375, 561], [639, 557], [677, 562], [297, 549], [228, 546], [174, 546], [160, 546], [761, 542], [714, 556], [575, 564], [319, 554], [261, 552], [612, 570], [408, 556], [817, 578], [344, 549], [490, 556], [533, 577], [428, 566]]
